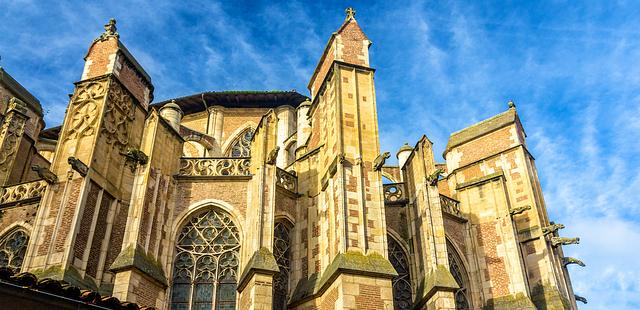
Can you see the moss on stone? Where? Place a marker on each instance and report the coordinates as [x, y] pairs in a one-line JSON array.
[[518, 301], [262, 261], [548, 297], [439, 279], [69, 275], [135, 257]]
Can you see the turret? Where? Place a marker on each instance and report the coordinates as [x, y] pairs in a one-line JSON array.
[[172, 113], [403, 154]]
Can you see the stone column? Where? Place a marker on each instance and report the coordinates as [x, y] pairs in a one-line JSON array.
[[304, 125], [215, 126], [286, 121]]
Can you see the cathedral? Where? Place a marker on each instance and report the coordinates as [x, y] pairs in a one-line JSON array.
[[265, 199]]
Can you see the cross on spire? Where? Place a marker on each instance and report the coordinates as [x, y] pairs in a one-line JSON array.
[[351, 13]]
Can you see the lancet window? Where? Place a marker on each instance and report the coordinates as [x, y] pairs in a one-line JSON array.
[[282, 253], [241, 146], [456, 267], [13, 247], [206, 263], [401, 283]]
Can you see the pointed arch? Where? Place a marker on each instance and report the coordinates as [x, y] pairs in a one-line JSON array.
[[282, 235], [402, 291], [459, 272], [239, 136], [13, 246]]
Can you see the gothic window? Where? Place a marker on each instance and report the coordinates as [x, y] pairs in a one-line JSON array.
[[460, 275], [282, 253], [206, 263], [241, 146], [401, 283], [13, 246]]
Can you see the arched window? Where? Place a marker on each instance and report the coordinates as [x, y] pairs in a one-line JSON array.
[[241, 146], [282, 253], [206, 263], [456, 267], [13, 246], [401, 283]]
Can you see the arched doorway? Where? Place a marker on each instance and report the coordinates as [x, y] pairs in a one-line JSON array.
[[402, 283], [206, 263]]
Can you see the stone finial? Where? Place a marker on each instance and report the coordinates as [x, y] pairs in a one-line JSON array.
[[570, 260], [351, 13], [511, 104], [110, 30]]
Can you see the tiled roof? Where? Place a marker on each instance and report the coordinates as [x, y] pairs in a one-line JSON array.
[[236, 99]]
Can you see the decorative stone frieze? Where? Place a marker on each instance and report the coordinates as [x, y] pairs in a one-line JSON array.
[[214, 167], [286, 180], [23, 192]]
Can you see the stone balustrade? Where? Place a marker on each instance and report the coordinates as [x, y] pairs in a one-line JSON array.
[[286, 180], [22, 192], [214, 166], [450, 205], [394, 193]]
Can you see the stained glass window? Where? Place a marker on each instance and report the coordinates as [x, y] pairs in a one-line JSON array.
[[282, 253], [206, 263], [460, 275], [401, 283], [13, 246], [241, 147]]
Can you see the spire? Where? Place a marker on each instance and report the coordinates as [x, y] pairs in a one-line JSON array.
[[110, 30], [351, 13]]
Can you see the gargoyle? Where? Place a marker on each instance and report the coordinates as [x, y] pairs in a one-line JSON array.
[[273, 155], [551, 228], [571, 260], [134, 157], [556, 241], [518, 210], [78, 165], [434, 177], [379, 161], [45, 174], [581, 299]]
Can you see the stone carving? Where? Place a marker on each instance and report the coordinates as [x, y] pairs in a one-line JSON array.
[[110, 30], [571, 260], [134, 157], [581, 299], [379, 161], [556, 241], [450, 205], [118, 114], [351, 13], [511, 104], [224, 166], [11, 133], [273, 155], [394, 193], [78, 166], [519, 210], [551, 228], [433, 178], [45, 174], [23, 191], [286, 180], [83, 109]]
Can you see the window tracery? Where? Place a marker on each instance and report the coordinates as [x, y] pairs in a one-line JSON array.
[[206, 263], [282, 253], [402, 283], [241, 147], [456, 267], [13, 247]]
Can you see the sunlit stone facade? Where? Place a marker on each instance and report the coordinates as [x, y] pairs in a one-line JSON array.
[[270, 199]]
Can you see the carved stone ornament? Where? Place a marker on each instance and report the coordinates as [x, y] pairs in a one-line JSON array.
[[433, 178], [379, 161], [45, 174], [83, 109], [118, 115], [273, 155], [10, 134], [110, 30], [519, 210], [581, 299], [134, 157], [551, 228], [78, 166], [556, 241], [571, 260], [351, 13]]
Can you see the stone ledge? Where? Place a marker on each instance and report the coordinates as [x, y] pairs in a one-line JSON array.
[[69, 275], [439, 279], [134, 257], [511, 302], [262, 262], [353, 263], [546, 296]]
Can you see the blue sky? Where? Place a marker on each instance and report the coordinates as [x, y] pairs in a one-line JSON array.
[[572, 67]]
